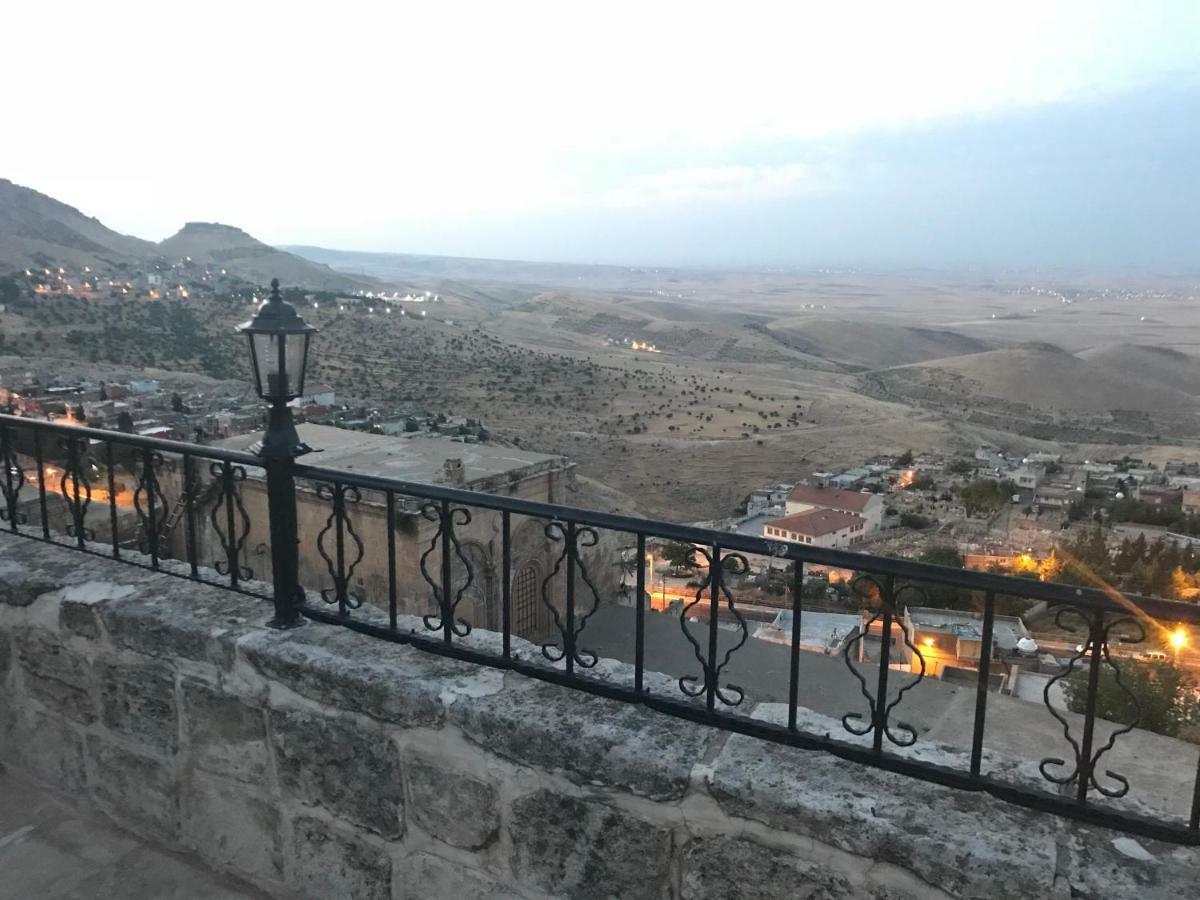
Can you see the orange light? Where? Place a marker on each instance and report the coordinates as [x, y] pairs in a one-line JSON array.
[[1179, 638], [928, 642]]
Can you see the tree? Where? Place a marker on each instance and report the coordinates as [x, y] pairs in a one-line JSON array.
[[905, 458], [1164, 693], [125, 422], [679, 555], [177, 402], [103, 392]]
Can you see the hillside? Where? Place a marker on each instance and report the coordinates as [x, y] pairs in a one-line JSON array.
[[1043, 376], [232, 249], [872, 345], [37, 230], [1160, 365]]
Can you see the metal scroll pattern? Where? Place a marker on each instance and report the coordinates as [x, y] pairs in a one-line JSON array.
[[343, 557], [76, 489], [149, 502], [445, 596], [230, 521], [709, 682], [569, 625], [12, 482], [885, 603], [1096, 650]]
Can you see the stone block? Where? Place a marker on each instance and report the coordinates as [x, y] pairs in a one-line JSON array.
[[55, 675], [138, 790], [716, 868], [172, 624], [20, 587], [451, 806], [580, 848], [232, 828], [138, 701], [589, 739], [356, 673], [353, 772], [46, 746], [79, 603], [422, 876], [5, 656], [225, 734], [329, 863], [997, 849], [79, 619]]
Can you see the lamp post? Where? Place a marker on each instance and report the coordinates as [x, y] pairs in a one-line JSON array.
[[278, 337]]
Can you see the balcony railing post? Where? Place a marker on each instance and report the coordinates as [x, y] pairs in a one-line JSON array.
[[285, 541], [278, 450]]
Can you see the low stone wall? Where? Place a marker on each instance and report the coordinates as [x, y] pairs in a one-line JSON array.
[[324, 764]]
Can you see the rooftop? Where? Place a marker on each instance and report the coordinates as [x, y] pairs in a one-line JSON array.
[[414, 458], [837, 499], [1007, 630], [817, 522]]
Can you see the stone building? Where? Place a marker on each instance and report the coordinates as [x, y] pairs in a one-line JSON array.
[[424, 459]]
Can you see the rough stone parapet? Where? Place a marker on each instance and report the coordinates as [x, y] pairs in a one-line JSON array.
[[322, 763]]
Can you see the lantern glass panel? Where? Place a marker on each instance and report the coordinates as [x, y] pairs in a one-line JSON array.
[[278, 362]]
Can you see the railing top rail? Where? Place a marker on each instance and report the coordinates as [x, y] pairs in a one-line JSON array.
[[1105, 598], [134, 440]]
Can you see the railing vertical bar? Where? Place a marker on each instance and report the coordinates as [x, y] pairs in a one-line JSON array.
[[885, 658], [714, 608], [151, 481], [794, 673], [41, 467], [639, 647], [391, 552], [8, 456], [339, 515], [447, 621], [1084, 769], [506, 582], [231, 547], [569, 631], [77, 509], [110, 464], [1194, 821], [981, 687], [189, 496]]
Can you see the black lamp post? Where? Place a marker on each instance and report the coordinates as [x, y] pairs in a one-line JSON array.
[[279, 338]]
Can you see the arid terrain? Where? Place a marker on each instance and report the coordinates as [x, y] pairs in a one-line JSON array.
[[676, 391]]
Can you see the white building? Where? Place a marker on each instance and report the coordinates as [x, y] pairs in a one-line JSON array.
[[818, 528], [804, 497]]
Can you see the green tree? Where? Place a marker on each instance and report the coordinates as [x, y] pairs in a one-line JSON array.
[[905, 458], [1164, 693], [125, 422], [679, 555]]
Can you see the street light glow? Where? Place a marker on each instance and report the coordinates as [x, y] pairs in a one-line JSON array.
[[1179, 638]]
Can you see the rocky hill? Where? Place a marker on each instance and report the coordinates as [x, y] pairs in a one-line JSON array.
[[233, 249], [36, 229]]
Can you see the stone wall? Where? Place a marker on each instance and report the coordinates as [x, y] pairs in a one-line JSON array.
[[324, 764]]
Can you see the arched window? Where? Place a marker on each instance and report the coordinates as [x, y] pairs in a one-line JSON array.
[[527, 601]]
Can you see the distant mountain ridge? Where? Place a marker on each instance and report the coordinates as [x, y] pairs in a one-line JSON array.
[[36, 229]]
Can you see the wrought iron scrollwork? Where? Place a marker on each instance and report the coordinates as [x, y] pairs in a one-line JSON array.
[[340, 526], [879, 718], [76, 488], [13, 480], [149, 502], [709, 681], [1095, 648], [236, 528], [445, 596], [568, 625]]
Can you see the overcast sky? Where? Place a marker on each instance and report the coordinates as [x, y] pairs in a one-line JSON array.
[[907, 134]]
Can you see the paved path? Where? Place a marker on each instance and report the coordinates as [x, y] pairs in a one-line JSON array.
[[50, 851]]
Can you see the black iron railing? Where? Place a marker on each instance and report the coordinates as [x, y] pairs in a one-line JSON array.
[[446, 563]]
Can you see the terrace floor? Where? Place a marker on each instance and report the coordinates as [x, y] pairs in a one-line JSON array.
[[52, 851]]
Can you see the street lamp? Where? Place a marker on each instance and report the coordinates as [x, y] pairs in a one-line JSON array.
[[278, 337], [1179, 639]]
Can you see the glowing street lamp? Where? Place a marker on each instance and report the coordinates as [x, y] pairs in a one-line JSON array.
[[1179, 640]]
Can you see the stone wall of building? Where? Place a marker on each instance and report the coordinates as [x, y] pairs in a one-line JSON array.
[[321, 763]]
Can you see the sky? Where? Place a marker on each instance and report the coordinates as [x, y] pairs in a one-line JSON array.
[[924, 134]]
